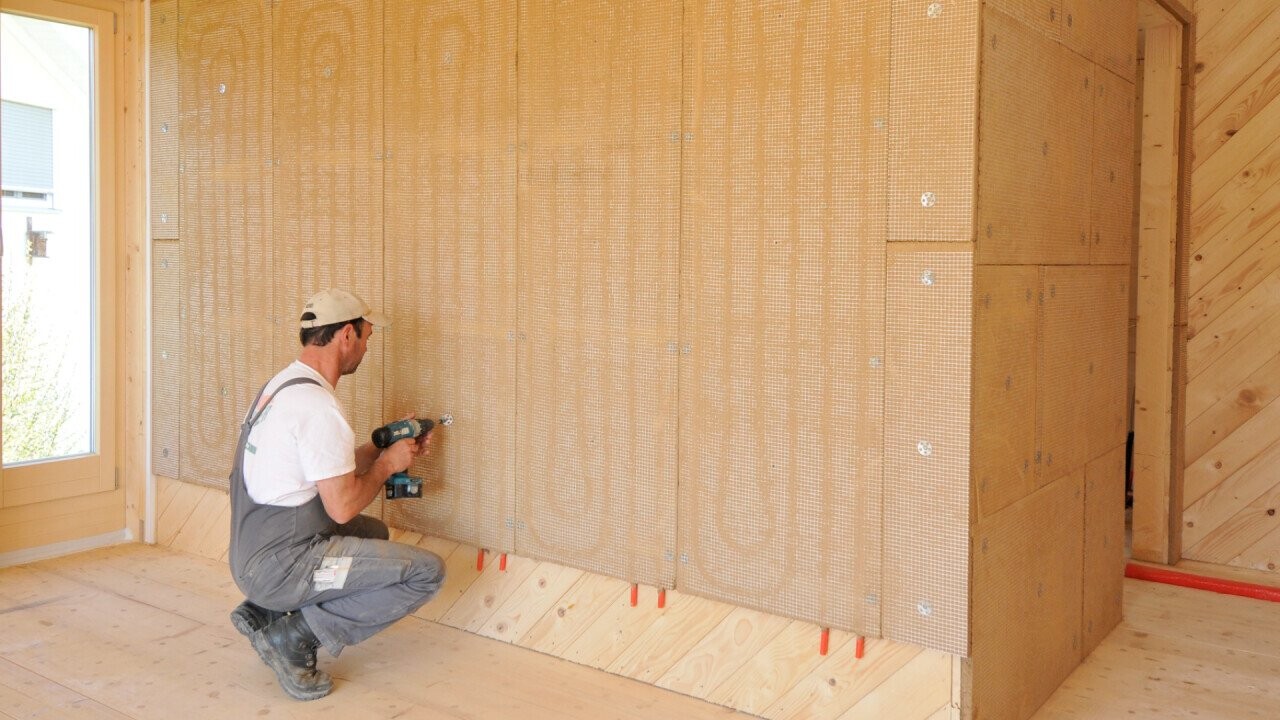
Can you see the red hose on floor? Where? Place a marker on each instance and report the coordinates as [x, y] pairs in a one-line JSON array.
[[1200, 582]]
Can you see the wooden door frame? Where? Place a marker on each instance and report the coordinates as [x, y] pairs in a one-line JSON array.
[[1162, 199]]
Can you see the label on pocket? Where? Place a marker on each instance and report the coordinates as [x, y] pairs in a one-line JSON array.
[[332, 574]]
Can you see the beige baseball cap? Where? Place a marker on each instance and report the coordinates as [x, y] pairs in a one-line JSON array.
[[335, 306]]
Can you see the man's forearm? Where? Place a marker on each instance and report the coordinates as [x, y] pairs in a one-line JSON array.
[[365, 455], [372, 481], [346, 496]]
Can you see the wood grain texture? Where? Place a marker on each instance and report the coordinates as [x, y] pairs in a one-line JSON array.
[[141, 632], [1218, 660], [735, 657], [1156, 273], [1232, 491]]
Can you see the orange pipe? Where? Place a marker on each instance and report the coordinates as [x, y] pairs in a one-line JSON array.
[[825, 642], [502, 562], [1200, 582], [662, 598], [635, 594], [860, 649], [480, 560]]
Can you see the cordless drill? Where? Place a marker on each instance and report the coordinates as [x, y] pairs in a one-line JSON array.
[[401, 484]]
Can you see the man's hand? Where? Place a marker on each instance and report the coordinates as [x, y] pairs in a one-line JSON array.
[[400, 455], [423, 445]]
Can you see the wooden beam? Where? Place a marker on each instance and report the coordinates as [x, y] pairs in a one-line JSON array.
[[1157, 299], [134, 316], [1178, 10]]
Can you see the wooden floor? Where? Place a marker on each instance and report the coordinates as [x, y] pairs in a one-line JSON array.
[[141, 632], [756, 663], [1179, 653]]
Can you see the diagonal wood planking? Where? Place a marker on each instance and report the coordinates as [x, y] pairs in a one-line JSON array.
[[1232, 492], [740, 658]]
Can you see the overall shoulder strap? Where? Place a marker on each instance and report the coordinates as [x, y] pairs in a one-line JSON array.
[[255, 412]]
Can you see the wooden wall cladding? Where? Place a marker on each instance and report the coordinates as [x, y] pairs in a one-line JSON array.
[[166, 334], [165, 125], [327, 216], [1036, 135], [450, 255], [1084, 321], [783, 250], [166, 358], [1027, 617], [225, 224], [933, 86], [1051, 302], [1112, 174], [598, 234], [927, 509], [1231, 491], [1104, 32], [1005, 353]]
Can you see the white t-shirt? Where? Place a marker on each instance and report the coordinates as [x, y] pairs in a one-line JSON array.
[[303, 437]]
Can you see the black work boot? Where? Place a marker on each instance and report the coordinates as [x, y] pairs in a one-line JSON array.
[[288, 647], [249, 618]]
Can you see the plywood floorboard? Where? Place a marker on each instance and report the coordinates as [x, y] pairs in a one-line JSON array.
[[140, 632], [1180, 653]]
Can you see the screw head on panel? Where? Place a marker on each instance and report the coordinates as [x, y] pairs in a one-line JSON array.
[[222, 88], [928, 200], [934, 10], [925, 608], [927, 278], [876, 362], [925, 448], [164, 128]]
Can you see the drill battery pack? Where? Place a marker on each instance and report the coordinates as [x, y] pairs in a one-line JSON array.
[[401, 485]]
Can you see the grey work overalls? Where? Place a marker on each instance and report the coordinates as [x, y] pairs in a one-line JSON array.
[[348, 580]]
